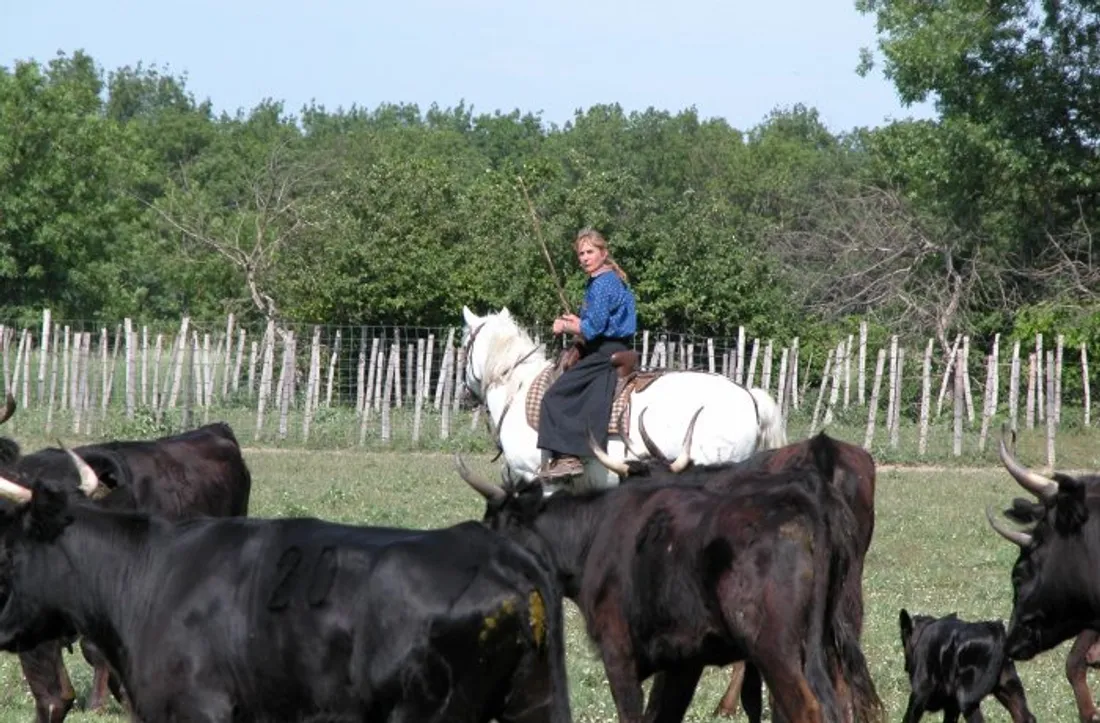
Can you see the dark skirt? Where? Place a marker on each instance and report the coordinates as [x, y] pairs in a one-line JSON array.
[[580, 398]]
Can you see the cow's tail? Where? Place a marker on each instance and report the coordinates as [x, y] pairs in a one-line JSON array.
[[773, 433], [839, 635], [820, 660], [546, 623]]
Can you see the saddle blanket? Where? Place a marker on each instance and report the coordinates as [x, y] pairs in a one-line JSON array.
[[620, 405]]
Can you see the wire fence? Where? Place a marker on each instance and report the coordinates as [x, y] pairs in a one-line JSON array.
[[401, 387]]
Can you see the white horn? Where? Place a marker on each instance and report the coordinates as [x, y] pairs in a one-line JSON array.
[[89, 480], [619, 468], [15, 493]]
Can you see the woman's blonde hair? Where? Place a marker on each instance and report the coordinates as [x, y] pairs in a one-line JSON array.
[[596, 238]]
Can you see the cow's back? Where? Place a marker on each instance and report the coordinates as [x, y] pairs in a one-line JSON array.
[[199, 472], [298, 613]]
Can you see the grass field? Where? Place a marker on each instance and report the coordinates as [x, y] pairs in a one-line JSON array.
[[933, 553]]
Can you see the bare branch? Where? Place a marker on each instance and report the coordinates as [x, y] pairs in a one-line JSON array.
[[863, 251], [271, 209]]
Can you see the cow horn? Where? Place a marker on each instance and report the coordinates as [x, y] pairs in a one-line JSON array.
[[1033, 482], [15, 493], [619, 468], [1016, 537], [9, 409], [89, 481], [486, 489], [682, 461], [649, 445]]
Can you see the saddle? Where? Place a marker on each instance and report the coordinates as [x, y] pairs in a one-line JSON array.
[[625, 362], [629, 379]]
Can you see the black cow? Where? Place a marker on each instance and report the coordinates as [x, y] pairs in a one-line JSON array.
[[672, 577], [853, 475], [220, 619], [1055, 589], [954, 664], [198, 472]]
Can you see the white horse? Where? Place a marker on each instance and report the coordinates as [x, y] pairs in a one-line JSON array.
[[502, 361]]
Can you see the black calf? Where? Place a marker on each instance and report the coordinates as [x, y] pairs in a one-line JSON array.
[[954, 664]]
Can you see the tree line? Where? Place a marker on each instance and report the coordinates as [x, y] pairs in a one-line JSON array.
[[123, 195]]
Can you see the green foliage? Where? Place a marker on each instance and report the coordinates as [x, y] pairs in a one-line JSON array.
[[60, 174], [1013, 161], [121, 194], [1078, 325]]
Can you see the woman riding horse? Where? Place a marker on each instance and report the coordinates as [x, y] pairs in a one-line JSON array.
[[581, 397]]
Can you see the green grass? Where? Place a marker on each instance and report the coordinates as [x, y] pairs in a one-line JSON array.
[[337, 428], [933, 553]]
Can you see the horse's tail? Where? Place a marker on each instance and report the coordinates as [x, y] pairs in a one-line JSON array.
[[773, 433]]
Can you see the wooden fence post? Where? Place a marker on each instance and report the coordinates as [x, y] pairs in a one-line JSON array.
[[1052, 417], [925, 397], [960, 393], [872, 407], [1085, 383]]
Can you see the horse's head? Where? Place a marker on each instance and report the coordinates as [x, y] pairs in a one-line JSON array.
[[495, 347], [481, 337]]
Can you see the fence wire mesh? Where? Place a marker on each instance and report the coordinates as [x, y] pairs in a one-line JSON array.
[[401, 386]]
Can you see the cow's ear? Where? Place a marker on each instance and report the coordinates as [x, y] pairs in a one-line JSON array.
[[109, 467], [906, 625], [1070, 511], [1024, 511], [48, 515]]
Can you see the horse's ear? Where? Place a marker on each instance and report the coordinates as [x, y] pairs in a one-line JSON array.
[[470, 317], [504, 313]]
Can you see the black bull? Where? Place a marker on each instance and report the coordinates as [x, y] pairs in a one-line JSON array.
[[216, 619], [1055, 586], [853, 475], [673, 577], [199, 472]]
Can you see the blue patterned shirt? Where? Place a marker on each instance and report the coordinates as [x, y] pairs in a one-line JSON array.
[[608, 309]]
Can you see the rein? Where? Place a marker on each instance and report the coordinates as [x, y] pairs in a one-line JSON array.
[[467, 348]]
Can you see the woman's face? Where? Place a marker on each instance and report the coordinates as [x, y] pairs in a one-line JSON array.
[[590, 257]]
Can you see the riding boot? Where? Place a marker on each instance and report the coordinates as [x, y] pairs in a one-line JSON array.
[[565, 465]]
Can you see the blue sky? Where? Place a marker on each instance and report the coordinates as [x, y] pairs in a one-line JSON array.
[[736, 60]]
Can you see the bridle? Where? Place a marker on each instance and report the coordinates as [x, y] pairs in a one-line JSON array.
[[468, 371], [468, 375]]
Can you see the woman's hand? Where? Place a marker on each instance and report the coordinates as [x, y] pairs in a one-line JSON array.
[[567, 323]]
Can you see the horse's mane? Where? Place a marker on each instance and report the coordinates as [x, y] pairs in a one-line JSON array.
[[508, 344]]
